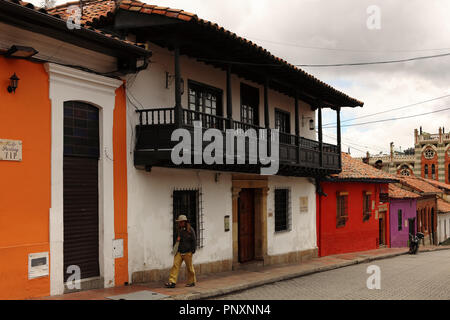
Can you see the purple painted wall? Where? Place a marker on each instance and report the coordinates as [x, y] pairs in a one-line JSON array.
[[399, 238]]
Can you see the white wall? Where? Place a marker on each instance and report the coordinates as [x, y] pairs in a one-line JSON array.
[[150, 216], [443, 227], [302, 235], [149, 193]]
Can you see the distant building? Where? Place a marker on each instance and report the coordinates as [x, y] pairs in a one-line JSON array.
[[402, 212], [431, 158], [353, 209]]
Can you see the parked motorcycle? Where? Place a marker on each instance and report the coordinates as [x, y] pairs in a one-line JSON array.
[[414, 242]]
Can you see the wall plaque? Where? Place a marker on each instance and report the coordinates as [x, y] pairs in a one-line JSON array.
[[303, 204], [10, 150]]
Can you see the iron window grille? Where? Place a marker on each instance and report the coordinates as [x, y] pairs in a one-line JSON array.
[[400, 220], [283, 215], [341, 209], [189, 203]]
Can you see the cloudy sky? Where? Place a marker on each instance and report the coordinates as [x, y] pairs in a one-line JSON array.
[[333, 32]]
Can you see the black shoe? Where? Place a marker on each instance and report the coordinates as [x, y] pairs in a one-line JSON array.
[[191, 284], [169, 285]]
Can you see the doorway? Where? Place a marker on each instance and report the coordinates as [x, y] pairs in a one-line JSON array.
[[246, 223], [81, 192], [411, 224], [382, 230]]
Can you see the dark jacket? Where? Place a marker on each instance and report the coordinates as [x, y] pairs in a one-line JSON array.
[[188, 242]]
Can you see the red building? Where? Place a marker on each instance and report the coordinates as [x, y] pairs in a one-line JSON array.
[[352, 209]]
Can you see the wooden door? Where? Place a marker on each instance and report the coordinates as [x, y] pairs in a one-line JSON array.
[[382, 230], [81, 194], [246, 228]]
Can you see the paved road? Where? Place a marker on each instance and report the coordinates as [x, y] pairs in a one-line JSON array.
[[424, 276]]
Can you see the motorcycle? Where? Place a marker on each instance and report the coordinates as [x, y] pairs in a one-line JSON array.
[[414, 242]]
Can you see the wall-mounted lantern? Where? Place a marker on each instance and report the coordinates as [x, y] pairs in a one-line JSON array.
[[13, 83], [20, 52], [311, 122]]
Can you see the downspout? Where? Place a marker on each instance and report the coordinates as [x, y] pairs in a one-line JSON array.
[[319, 193]]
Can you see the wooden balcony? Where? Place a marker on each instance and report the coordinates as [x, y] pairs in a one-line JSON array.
[[298, 156]]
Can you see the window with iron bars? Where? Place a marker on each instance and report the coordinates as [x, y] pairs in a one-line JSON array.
[[189, 203], [282, 210]]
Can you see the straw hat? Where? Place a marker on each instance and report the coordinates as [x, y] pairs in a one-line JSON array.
[[182, 218]]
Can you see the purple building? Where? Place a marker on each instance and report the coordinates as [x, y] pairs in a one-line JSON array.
[[402, 212]]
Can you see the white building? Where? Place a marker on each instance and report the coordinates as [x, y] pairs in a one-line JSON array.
[[240, 216]]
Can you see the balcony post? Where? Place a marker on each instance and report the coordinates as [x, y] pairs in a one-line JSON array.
[[338, 121], [229, 99], [266, 114], [297, 127], [178, 107], [320, 137]]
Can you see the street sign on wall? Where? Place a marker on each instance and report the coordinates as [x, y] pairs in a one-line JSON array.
[[10, 150]]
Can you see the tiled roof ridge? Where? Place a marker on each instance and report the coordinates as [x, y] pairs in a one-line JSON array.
[[397, 192], [419, 184], [138, 6], [53, 13], [354, 169]]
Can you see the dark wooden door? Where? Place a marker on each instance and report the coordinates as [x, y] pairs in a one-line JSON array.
[[246, 225], [81, 216], [381, 228], [412, 229], [81, 204]]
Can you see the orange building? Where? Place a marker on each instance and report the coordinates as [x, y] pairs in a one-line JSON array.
[[62, 155]]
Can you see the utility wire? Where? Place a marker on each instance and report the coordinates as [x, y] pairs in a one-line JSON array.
[[326, 65], [373, 63], [391, 119], [289, 44], [395, 109]]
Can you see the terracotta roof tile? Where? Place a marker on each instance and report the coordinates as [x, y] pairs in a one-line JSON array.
[[419, 185], [443, 206], [437, 184], [396, 192], [354, 169]]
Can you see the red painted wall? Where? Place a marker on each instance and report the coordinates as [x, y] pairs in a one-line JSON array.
[[356, 235]]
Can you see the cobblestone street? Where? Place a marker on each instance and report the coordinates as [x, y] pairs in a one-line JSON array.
[[424, 276]]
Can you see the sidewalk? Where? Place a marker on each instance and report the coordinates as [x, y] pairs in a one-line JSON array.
[[213, 285]]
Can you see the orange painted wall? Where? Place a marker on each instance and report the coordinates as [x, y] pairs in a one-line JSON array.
[[120, 183], [25, 185]]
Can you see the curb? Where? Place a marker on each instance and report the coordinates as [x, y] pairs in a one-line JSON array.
[[246, 286]]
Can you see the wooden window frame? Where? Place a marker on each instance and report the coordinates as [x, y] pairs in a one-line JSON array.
[[280, 112], [341, 211], [367, 204], [244, 88]]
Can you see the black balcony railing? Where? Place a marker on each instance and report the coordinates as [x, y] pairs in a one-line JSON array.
[[156, 126]]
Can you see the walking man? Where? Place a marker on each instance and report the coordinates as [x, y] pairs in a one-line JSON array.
[[183, 251]]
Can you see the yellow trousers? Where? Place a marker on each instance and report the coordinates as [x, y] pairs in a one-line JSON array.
[[177, 261]]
